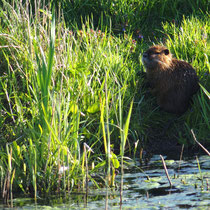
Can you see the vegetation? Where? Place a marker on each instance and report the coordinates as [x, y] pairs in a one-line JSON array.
[[70, 84]]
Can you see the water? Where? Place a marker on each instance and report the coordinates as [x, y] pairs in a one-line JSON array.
[[190, 189]]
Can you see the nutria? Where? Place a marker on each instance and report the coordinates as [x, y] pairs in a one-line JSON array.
[[172, 81]]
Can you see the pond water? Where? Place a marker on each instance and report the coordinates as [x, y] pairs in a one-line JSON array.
[[190, 189]]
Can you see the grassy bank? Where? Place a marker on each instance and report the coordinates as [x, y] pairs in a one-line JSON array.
[[72, 93]]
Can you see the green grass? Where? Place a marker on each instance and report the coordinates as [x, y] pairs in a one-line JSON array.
[[64, 84]]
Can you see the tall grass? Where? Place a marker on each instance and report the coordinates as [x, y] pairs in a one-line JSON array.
[[60, 82]]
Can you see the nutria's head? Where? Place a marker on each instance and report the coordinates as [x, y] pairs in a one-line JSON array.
[[157, 57]]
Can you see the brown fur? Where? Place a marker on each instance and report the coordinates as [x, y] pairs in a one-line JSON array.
[[173, 82]]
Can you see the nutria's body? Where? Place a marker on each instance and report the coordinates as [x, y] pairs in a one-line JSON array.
[[172, 81]]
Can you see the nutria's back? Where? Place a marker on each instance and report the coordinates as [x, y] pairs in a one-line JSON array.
[[172, 81]]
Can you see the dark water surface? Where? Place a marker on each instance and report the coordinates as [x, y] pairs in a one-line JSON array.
[[190, 189]]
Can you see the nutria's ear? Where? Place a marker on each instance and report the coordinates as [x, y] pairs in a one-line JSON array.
[[166, 51]]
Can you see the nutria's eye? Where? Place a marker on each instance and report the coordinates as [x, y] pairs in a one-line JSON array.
[[166, 51]]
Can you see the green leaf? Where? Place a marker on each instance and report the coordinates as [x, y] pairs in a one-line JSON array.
[[94, 108], [73, 108], [99, 165], [126, 127], [115, 161], [205, 91]]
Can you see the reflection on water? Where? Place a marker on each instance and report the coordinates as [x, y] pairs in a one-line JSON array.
[[189, 189]]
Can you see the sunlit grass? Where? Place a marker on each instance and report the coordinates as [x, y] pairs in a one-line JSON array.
[[56, 95]]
